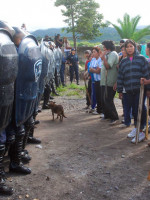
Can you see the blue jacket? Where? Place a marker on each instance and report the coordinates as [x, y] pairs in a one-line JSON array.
[[130, 73]]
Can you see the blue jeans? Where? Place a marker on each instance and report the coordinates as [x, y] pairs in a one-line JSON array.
[[132, 101], [93, 96], [126, 110]]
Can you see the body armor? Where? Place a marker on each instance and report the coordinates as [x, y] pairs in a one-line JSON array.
[[8, 73], [29, 71]]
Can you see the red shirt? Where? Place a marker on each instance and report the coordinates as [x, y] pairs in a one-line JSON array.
[[86, 65]]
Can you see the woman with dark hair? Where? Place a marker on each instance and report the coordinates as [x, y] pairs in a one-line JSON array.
[[126, 113], [95, 71], [131, 70], [109, 73]]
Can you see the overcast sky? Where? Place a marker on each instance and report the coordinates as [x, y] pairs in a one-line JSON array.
[[41, 14]]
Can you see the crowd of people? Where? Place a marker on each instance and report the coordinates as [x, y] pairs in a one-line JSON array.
[[29, 71], [109, 72]]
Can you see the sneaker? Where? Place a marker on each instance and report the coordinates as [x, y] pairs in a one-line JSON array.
[[91, 111], [101, 115], [104, 119], [123, 126], [95, 112], [141, 137], [122, 121], [132, 133], [113, 122]]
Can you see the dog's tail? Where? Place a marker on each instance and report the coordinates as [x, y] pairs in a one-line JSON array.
[[63, 115]]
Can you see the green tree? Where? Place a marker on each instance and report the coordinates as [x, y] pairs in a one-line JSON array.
[[82, 18], [128, 28]]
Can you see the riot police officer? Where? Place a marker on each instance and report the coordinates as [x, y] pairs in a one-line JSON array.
[[8, 73], [29, 70]]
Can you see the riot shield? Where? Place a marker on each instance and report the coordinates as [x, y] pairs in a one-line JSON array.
[[8, 73], [58, 62], [49, 58], [58, 59], [29, 71]]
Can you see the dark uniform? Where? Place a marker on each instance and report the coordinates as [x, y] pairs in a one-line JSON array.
[[73, 61], [8, 73]]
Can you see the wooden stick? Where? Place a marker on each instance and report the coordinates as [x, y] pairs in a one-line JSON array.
[[87, 91], [147, 118], [139, 113]]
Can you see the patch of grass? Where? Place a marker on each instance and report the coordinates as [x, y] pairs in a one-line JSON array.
[[75, 86], [117, 95], [71, 90], [72, 93], [61, 89]]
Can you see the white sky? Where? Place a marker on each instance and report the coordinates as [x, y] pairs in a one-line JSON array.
[[41, 14]]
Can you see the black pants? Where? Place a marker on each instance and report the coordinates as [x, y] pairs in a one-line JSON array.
[[89, 91], [72, 69], [98, 96], [109, 109]]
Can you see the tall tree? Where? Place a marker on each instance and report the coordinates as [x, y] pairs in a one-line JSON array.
[[128, 28], [82, 18]]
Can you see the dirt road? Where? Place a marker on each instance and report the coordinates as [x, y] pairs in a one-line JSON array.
[[83, 158]]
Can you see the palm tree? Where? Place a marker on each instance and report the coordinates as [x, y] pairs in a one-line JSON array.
[[128, 28]]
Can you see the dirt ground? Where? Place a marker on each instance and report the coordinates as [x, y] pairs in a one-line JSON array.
[[83, 158]]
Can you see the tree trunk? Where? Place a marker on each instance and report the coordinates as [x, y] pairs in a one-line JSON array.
[[73, 29]]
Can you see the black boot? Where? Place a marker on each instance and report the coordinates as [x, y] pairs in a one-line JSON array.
[[15, 154], [47, 92], [53, 89], [25, 157], [31, 139], [28, 126], [10, 140], [34, 117], [36, 122], [50, 97], [3, 188]]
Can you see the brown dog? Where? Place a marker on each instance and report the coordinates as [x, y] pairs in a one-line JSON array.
[[58, 109]]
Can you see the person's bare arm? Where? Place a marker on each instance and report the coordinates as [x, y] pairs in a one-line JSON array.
[[97, 70], [145, 81], [105, 60]]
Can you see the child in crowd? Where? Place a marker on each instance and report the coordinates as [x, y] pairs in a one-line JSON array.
[[93, 95], [95, 70], [73, 61], [87, 54], [131, 70]]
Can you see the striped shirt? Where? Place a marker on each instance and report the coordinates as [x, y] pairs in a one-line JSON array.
[[96, 63], [130, 73]]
